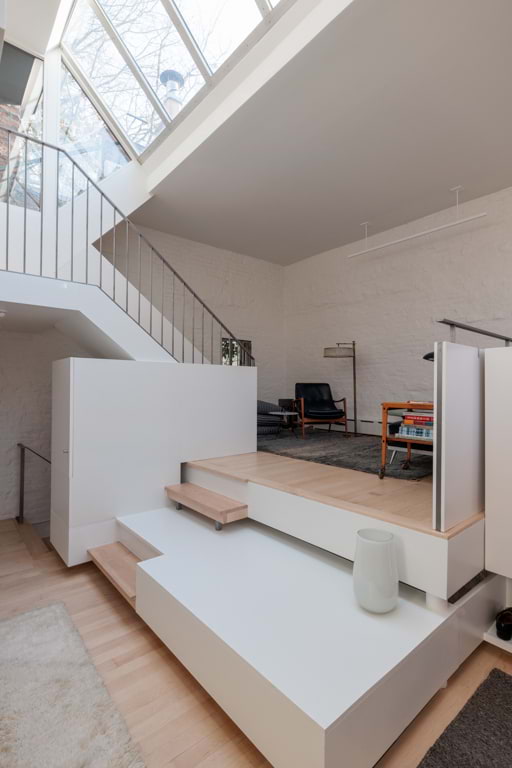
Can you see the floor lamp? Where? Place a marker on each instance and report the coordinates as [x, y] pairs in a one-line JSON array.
[[346, 349]]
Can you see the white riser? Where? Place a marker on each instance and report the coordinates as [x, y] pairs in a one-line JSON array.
[[457, 560], [136, 544], [227, 486]]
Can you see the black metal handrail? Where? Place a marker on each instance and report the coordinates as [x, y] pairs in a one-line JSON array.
[[243, 358], [23, 448]]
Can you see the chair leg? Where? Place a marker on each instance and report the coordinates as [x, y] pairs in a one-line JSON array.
[[330, 425]]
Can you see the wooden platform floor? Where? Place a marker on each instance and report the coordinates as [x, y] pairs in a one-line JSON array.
[[171, 718], [404, 502]]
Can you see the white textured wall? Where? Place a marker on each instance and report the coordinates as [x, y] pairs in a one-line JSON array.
[[246, 294], [25, 415], [389, 301]]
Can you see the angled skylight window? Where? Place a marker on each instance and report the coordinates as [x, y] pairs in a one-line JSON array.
[[155, 45], [142, 61], [84, 135], [219, 26], [102, 64]]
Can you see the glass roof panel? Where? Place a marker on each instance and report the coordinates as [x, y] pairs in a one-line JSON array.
[[107, 72], [149, 35], [219, 26], [84, 135]]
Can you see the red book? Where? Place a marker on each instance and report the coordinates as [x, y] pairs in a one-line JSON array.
[[419, 417]]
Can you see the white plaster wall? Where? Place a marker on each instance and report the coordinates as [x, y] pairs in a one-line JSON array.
[[389, 301], [25, 415], [246, 294]]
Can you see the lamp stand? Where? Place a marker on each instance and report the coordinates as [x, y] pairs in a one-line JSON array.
[[345, 349]]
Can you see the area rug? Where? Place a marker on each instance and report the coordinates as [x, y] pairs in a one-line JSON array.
[[55, 711], [361, 453], [481, 734]]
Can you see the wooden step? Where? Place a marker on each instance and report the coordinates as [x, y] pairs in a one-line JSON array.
[[117, 563], [213, 505]]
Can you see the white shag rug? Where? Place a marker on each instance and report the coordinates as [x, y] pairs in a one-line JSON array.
[[55, 711]]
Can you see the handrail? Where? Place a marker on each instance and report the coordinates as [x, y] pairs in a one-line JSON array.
[[247, 356], [464, 327], [23, 448]]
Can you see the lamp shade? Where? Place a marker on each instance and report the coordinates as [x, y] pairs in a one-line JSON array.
[[344, 349]]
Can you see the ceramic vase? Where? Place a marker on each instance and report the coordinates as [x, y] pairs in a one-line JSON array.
[[375, 574]]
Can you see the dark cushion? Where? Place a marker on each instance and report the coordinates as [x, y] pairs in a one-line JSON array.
[[265, 407], [323, 413], [263, 419]]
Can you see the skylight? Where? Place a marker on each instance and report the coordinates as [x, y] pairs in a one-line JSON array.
[[84, 135], [219, 26], [142, 61]]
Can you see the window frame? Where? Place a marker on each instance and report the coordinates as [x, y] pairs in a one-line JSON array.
[[269, 16]]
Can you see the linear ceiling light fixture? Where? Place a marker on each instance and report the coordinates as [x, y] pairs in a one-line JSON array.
[[455, 223]]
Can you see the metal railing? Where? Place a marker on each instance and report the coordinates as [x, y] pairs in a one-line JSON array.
[[58, 223], [454, 324], [21, 508]]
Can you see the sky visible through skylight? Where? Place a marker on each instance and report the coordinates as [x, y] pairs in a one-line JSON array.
[[118, 50]]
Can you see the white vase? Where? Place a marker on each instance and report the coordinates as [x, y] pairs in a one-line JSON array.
[[375, 572]]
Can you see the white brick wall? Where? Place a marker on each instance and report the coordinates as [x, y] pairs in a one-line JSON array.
[[25, 415], [245, 293], [389, 301]]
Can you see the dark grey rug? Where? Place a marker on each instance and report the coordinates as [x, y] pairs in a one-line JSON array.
[[361, 453], [481, 734]]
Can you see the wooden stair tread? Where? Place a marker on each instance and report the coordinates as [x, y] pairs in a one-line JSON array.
[[208, 503], [117, 563]]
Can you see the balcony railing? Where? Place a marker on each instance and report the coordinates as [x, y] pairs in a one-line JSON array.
[[56, 222]]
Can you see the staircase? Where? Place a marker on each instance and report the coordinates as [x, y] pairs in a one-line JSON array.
[[56, 222]]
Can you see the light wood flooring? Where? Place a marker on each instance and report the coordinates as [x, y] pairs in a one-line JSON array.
[[171, 718], [404, 502]]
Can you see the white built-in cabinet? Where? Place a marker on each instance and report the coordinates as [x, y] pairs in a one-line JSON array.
[[458, 492], [61, 456], [121, 430], [498, 460]]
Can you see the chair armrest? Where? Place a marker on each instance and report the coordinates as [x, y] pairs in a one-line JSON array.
[[341, 400]]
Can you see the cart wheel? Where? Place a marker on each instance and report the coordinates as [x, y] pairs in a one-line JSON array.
[[382, 472], [406, 465]]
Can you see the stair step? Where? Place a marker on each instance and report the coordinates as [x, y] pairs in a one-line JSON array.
[[117, 563], [213, 505]]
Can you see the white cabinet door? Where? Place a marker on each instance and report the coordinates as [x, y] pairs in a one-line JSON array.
[[498, 460], [459, 434], [62, 378]]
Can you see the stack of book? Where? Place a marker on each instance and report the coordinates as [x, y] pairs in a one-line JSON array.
[[418, 424]]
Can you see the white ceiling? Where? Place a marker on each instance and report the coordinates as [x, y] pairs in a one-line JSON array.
[[385, 110]]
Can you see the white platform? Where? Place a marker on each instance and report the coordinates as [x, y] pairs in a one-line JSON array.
[[333, 528], [270, 628]]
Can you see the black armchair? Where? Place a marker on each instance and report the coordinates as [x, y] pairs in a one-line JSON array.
[[315, 405]]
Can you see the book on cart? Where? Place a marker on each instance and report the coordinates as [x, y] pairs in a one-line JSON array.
[[418, 416], [422, 433]]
